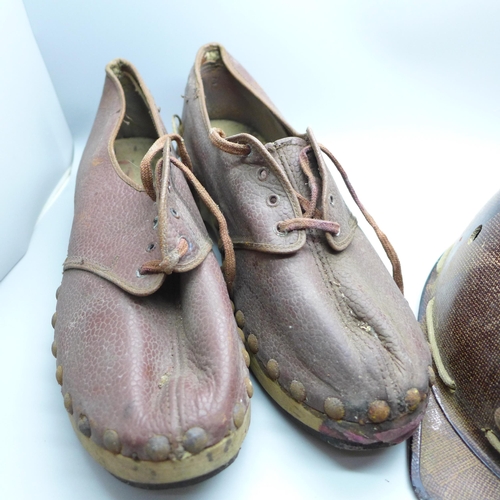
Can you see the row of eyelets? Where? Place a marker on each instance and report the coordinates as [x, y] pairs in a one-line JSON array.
[[273, 199]]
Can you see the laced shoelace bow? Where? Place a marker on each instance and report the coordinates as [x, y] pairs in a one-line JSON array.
[[312, 216], [155, 184]]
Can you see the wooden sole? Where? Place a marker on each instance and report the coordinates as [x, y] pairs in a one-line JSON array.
[[315, 422], [168, 473]]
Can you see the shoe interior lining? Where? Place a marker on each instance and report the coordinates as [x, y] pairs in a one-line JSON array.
[[137, 132], [234, 109], [232, 128], [129, 153]]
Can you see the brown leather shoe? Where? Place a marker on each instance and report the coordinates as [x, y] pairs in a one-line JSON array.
[[330, 336], [456, 450], [148, 354]]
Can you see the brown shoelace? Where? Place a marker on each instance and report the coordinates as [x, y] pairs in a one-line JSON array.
[[312, 216], [155, 185]]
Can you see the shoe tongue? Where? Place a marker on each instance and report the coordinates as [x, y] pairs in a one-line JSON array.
[[286, 153]]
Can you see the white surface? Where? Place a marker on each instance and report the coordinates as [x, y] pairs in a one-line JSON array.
[[406, 96], [35, 141]]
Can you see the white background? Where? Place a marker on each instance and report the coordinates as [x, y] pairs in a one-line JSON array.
[[405, 94]]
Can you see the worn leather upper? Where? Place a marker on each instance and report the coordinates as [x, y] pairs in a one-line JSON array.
[[128, 221], [321, 305], [142, 354]]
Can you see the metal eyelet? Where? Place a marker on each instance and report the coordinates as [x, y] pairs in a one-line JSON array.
[[190, 246], [155, 222], [273, 200], [278, 232], [151, 247], [262, 174], [174, 212], [331, 199]]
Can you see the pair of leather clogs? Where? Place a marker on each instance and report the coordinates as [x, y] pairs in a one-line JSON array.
[[153, 342]]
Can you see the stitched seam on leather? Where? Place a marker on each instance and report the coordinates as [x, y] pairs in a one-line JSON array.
[[327, 270], [382, 366], [324, 271], [105, 272], [322, 264], [266, 247], [277, 171], [283, 180], [110, 146]]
